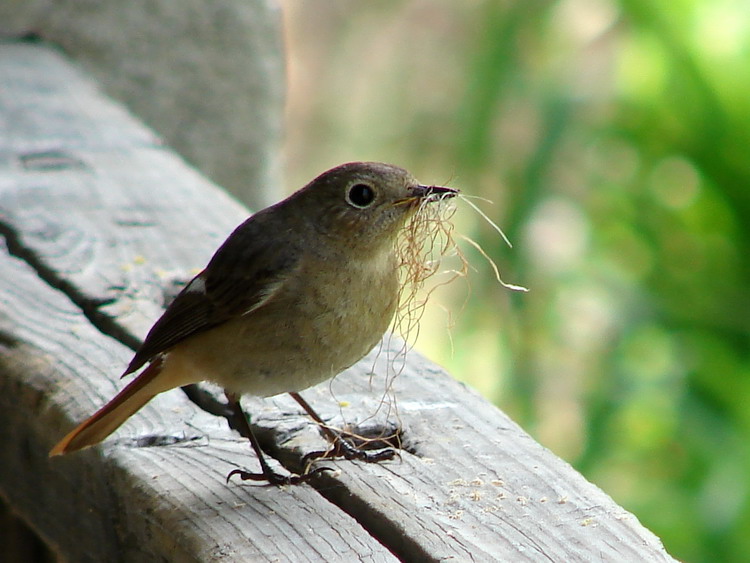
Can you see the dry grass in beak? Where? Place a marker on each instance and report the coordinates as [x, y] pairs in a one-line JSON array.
[[483, 215], [425, 240]]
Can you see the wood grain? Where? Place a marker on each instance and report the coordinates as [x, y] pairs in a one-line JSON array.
[[196, 72], [98, 218]]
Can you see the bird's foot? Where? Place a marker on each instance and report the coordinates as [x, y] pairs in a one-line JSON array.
[[274, 478], [341, 447]]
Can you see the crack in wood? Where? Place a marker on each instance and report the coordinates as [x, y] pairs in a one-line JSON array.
[[8, 340], [89, 307], [50, 161]]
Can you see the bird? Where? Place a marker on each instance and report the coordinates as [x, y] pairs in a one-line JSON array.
[[297, 293]]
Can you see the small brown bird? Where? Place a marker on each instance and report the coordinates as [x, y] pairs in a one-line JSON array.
[[297, 293]]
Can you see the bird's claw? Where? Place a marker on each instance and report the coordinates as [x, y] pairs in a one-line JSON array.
[[275, 478], [342, 448]]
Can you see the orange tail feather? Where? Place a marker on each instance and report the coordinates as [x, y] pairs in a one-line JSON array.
[[108, 418]]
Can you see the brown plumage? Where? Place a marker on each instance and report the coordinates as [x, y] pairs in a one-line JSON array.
[[297, 293]]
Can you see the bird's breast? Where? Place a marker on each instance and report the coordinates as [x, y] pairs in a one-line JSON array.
[[319, 323]]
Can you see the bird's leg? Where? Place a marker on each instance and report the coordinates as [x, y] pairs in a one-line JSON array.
[[341, 447], [242, 425]]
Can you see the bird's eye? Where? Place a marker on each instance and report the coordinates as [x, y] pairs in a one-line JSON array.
[[360, 195]]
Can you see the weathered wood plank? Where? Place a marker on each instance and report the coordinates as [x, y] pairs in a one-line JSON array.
[[208, 76], [93, 189], [111, 223], [471, 485]]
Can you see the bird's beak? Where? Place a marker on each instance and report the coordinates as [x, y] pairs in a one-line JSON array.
[[429, 193], [439, 192]]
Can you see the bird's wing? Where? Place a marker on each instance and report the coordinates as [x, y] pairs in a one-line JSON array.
[[244, 274]]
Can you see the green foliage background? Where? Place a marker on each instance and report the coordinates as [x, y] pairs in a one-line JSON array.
[[614, 138]]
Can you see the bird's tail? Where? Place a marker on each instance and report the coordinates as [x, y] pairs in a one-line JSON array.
[[108, 418]]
